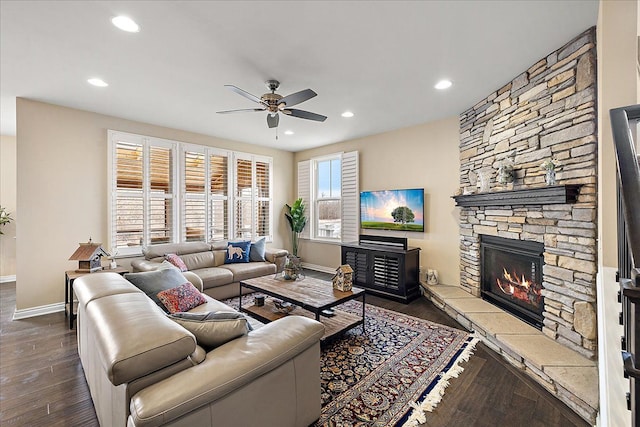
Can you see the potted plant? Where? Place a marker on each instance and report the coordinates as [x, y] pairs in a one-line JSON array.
[[5, 218], [297, 222]]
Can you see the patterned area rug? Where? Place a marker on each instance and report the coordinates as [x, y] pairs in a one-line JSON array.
[[391, 374]]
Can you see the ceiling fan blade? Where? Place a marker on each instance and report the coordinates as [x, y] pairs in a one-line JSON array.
[[244, 93], [272, 120], [244, 110], [297, 98], [304, 114]]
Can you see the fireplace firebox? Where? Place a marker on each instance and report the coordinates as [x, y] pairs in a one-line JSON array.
[[511, 276]]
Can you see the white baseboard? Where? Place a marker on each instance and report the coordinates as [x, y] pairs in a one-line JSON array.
[[7, 279], [320, 268], [38, 311]]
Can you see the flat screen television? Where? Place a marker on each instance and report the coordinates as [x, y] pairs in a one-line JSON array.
[[392, 210]]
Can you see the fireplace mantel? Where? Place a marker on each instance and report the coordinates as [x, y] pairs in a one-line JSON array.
[[549, 195]]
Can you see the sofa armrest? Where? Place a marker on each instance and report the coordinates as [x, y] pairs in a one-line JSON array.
[[226, 369], [194, 279], [276, 256]]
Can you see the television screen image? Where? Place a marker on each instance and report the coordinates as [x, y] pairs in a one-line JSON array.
[[392, 210]]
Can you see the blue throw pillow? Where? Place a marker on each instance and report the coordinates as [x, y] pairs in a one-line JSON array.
[[237, 252], [258, 249]]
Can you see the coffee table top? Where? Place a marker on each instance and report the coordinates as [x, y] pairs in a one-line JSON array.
[[309, 292]]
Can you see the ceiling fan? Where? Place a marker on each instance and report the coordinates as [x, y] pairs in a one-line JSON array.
[[274, 104]]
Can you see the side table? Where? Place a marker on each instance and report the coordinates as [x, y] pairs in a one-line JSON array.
[[69, 277]]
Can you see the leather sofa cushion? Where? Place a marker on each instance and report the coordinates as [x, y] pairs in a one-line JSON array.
[[211, 305], [250, 270], [159, 251], [214, 276], [136, 337], [94, 286], [199, 260], [226, 368]]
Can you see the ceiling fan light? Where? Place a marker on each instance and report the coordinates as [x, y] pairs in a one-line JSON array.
[[125, 24], [347, 114], [443, 84], [97, 82]]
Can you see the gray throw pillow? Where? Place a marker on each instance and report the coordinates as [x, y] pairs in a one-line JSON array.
[[154, 282], [212, 329], [258, 249]]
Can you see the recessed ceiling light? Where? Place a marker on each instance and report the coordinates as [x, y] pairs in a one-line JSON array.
[[98, 82], [443, 84], [126, 24], [347, 114], [288, 132]]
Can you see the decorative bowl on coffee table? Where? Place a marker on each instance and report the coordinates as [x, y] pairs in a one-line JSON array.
[[283, 307]]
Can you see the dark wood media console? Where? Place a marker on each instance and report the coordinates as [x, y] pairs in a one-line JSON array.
[[384, 266]]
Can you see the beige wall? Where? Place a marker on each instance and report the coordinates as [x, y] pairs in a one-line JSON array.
[[63, 191], [8, 201], [617, 33], [421, 156]]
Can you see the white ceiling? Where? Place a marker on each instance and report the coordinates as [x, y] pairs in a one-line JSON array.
[[378, 59]]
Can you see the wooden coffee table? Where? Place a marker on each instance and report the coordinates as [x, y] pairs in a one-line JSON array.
[[311, 296]]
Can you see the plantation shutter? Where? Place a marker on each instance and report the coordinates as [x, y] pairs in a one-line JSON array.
[[350, 197], [263, 199], [218, 197], [160, 207], [194, 209], [304, 191], [243, 195], [142, 192], [127, 207]]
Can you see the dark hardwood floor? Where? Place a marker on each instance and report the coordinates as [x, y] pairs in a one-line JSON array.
[[42, 382]]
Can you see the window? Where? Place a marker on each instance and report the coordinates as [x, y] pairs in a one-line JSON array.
[[329, 189], [327, 192], [252, 196], [142, 199], [167, 191], [205, 197]]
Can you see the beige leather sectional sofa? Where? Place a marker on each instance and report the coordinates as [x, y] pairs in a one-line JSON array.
[[143, 369], [219, 280]]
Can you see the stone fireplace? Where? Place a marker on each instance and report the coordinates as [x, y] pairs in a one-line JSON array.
[[511, 276], [547, 112]]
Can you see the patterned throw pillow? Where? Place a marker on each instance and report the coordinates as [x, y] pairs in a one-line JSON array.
[[258, 249], [181, 298], [177, 261], [214, 328], [237, 252]]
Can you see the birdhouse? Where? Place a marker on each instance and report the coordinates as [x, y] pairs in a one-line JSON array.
[[343, 278], [88, 256]]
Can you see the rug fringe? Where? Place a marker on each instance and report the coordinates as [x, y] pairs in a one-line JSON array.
[[434, 397]]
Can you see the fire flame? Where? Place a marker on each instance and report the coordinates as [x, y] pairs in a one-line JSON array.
[[519, 287]]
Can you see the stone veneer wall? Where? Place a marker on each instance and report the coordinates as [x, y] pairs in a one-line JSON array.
[[549, 111]]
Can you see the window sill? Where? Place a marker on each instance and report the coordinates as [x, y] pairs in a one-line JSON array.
[[324, 241]]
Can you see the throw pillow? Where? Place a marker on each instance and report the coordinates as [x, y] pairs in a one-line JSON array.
[[181, 298], [152, 282], [237, 252], [258, 249], [177, 261], [214, 328]]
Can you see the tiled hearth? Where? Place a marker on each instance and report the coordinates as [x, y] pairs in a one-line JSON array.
[[567, 374]]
